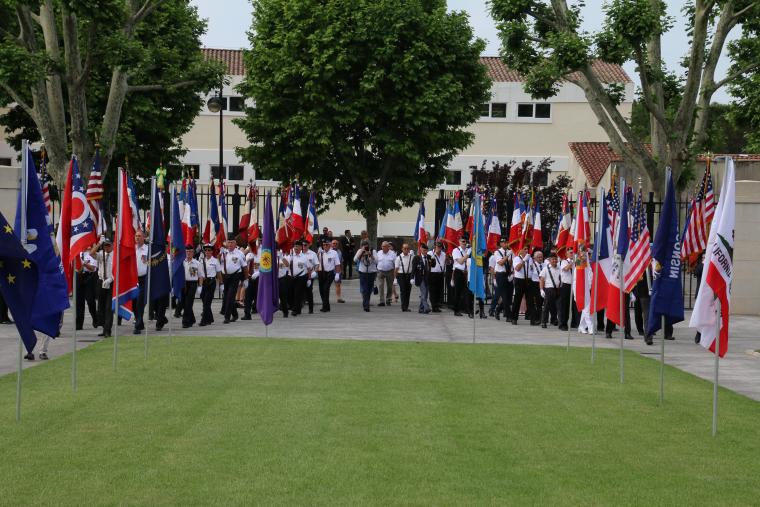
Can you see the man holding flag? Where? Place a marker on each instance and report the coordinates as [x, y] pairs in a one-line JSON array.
[[159, 265], [268, 295], [478, 250]]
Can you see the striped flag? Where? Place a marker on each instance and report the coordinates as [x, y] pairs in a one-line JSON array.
[[95, 195], [698, 221], [563, 230], [45, 181], [639, 251]]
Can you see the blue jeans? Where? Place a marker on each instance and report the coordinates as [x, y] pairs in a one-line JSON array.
[[366, 284], [424, 304]]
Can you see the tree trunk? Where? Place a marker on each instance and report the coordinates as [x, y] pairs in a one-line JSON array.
[[371, 216], [116, 96]]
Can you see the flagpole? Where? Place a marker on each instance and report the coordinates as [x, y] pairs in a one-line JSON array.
[[74, 346], [22, 234], [150, 254], [172, 232], [622, 296], [595, 284], [717, 361], [118, 262], [570, 300]]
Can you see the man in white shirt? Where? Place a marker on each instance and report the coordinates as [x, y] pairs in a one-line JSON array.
[[566, 268], [299, 270], [502, 267], [105, 296], [311, 255], [283, 279], [459, 277], [87, 279], [421, 274], [534, 289], [338, 276], [386, 263], [437, 275], [142, 255], [403, 273], [329, 264], [550, 280], [251, 290], [233, 271], [366, 261], [211, 272], [522, 270], [192, 277]]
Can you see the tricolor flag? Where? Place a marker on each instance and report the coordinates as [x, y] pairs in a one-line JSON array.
[[538, 239], [177, 249], [221, 236], [188, 234], [617, 273], [563, 230], [718, 271], [602, 256], [527, 217], [312, 222], [494, 227], [296, 217], [420, 235], [453, 227], [247, 219], [126, 261], [582, 241], [134, 205], [470, 219], [284, 222], [442, 229], [515, 227], [253, 227], [211, 231]]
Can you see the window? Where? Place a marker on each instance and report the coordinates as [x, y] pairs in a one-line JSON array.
[[218, 174], [541, 179], [454, 178], [498, 110], [235, 172], [193, 169], [485, 110], [525, 110], [5, 161], [237, 104], [543, 110]]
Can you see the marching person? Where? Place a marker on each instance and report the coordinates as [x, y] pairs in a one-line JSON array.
[[251, 290], [211, 271], [386, 262], [536, 266], [348, 248], [142, 253], [550, 280], [299, 270], [585, 322], [338, 276], [105, 296], [86, 281], [403, 274], [367, 267], [459, 279], [233, 268], [311, 255], [421, 271], [566, 268], [192, 278], [329, 265], [469, 295], [283, 279], [522, 270], [437, 275], [502, 267]]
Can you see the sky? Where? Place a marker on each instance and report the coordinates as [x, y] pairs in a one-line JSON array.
[[227, 28]]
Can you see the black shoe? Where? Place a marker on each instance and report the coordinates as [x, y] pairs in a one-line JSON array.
[[159, 327], [245, 317], [365, 309], [458, 314], [697, 337], [405, 310], [44, 356], [381, 304], [648, 340], [101, 334], [29, 357], [482, 316], [324, 310], [543, 326], [514, 322], [562, 328], [490, 313], [79, 328], [554, 323], [136, 331], [285, 315], [226, 321], [202, 324], [234, 318], [470, 315], [669, 338], [628, 336], [185, 326], [534, 323], [641, 333], [608, 336]]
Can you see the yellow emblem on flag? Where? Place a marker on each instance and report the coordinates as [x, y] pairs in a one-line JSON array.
[[265, 264]]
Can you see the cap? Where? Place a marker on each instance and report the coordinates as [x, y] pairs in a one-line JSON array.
[[424, 245], [189, 247], [207, 246], [107, 242]]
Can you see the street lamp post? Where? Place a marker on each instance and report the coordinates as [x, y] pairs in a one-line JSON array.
[[216, 105]]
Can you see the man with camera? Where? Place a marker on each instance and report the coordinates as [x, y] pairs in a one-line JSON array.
[[367, 267]]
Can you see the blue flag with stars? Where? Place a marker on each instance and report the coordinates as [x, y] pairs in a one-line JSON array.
[[52, 296], [18, 282]]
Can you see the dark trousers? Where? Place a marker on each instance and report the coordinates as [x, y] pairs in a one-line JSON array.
[[436, 290], [298, 293], [626, 316], [159, 311], [348, 264], [104, 307], [284, 282], [535, 301], [405, 284], [207, 296], [460, 291], [3, 310], [550, 305], [564, 304], [309, 294], [503, 293], [366, 284], [86, 283], [326, 279], [139, 304], [640, 314], [188, 316], [231, 283], [249, 304], [522, 289]]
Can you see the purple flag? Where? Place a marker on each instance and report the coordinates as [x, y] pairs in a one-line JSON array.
[[268, 293]]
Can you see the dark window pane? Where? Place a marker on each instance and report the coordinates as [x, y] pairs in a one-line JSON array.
[[485, 109], [454, 178], [498, 110], [235, 172], [237, 103], [543, 110], [5, 161], [525, 110], [216, 173], [224, 103], [541, 179]]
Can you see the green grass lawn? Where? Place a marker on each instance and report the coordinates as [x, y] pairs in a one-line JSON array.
[[216, 421]]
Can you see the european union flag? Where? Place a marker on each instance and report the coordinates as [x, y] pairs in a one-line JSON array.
[[478, 252], [18, 282], [159, 266], [51, 298], [666, 297], [178, 250]]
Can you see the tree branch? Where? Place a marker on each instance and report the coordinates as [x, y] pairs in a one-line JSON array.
[[157, 87], [735, 75], [143, 12], [646, 88], [685, 113], [18, 100], [743, 11]]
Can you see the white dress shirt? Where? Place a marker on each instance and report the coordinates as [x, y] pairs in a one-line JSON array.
[[142, 253], [327, 261], [555, 277], [458, 254], [440, 262], [192, 270], [385, 261], [403, 263], [233, 261]]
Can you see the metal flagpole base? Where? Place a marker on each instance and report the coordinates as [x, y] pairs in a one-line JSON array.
[[662, 371], [18, 378]]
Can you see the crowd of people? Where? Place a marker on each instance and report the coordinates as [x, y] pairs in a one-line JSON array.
[[537, 285]]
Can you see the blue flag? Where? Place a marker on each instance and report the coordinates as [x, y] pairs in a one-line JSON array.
[[268, 295], [18, 282], [178, 250], [52, 296], [478, 252], [667, 298], [159, 266]]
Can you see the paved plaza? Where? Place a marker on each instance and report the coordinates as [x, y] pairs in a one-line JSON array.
[[739, 370]]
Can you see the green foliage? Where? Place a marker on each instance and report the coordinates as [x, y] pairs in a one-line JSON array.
[[365, 100], [746, 89]]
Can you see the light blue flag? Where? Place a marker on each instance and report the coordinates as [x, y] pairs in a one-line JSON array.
[[477, 255]]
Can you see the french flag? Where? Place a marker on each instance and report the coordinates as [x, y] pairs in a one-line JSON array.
[[470, 220], [527, 224], [538, 240], [494, 228], [565, 222], [615, 286], [211, 230], [515, 227], [312, 223], [188, 233], [296, 217], [601, 255], [420, 234], [581, 239], [221, 236], [453, 227]]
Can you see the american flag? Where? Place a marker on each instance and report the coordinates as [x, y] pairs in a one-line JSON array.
[[95, 194], [613, 206], [639, 250], [700, 217], [45, 180]]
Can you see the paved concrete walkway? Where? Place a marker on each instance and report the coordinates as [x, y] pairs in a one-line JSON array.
[[739, 371]]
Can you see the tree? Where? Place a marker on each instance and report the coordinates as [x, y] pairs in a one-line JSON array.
[[126, 73], [365, 100], [544, 41], [746, 88]]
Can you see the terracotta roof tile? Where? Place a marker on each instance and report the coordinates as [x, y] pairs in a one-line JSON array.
[[498, 72], [594, 158]]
